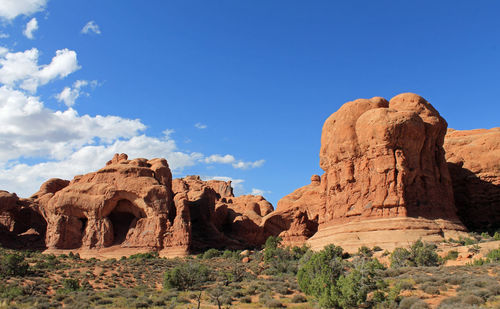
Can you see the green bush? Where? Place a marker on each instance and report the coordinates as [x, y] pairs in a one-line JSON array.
[[496, 236], [144, 256], [274, 303], [451, 255], [364, 251], [71, 285], [246, 300], [13, 265], [187, 275], [335, 282], [412, 303], [211, 253], [10, 292], [494, 255], [419, 254]]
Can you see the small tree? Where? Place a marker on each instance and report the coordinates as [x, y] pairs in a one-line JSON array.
[[419, 254], [335, 282], [185, 276], [71, 285], [14, 265]]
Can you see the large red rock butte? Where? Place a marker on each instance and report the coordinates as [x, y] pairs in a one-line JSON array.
[[386, 181], [473, 158]]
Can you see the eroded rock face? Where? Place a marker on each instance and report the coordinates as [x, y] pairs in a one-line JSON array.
[[128, 202], [383, 160], [136, 204], [215, 218], [21, 225], [473, 158]]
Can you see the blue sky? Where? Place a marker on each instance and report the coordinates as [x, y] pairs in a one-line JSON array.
[[228, 89]]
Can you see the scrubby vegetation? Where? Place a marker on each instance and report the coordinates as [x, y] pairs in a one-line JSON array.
[[274, 277]]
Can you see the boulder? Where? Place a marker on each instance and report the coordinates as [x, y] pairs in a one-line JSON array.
[[473, 158]]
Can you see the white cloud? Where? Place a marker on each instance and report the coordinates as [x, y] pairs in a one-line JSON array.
[[69, 94], [230, 159], [3, 35], [227, 159], [22, 69], [68, 143], [3, 51], [246, 165], [30, 129], [200, 125], [31, 27], [10, 9], [259, 192], [91, 26], [25, 179]]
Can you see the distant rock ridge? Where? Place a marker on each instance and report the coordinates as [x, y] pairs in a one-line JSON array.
[[388, 181]]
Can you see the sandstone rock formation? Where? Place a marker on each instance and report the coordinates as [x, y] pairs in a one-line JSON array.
[[473, 158], [21, 225], [128, 202], [216, 218], [386, 180], [135, 204]]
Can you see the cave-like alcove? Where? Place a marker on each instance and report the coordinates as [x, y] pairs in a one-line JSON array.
[[124, 217]]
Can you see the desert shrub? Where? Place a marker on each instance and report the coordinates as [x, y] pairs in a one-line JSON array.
[[187, 275], [10, 292], [211, 253], [474, 249], [246, 300], [144, 256], [265, 297], [299, 298], [472, 300], [13, 265], [406, 284], [431, 289], [335, 282], [364, 251], [494, 255], [496, 236], [143, 302], [228, 254], [274, 303], [71, 285], [451, 255], [419, 254], [282, 260], [412, 303]]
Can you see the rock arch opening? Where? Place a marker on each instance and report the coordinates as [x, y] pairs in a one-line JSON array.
[[123, 218]]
